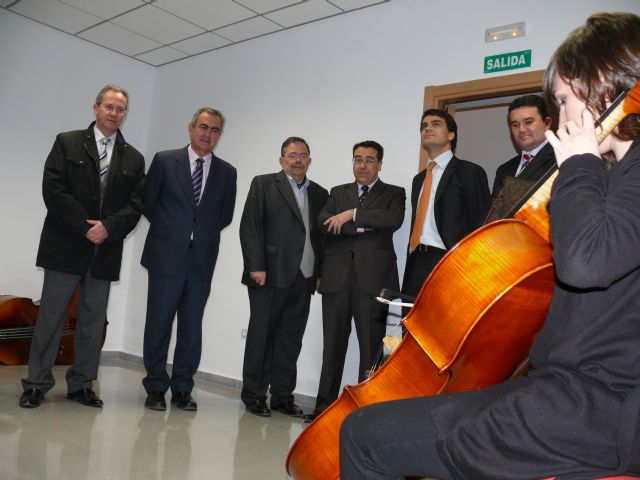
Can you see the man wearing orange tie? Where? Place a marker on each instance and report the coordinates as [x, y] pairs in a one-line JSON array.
[[449, 199]]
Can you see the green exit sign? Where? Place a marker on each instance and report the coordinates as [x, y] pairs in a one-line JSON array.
[[507, 61]]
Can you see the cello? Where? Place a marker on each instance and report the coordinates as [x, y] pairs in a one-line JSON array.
[[503, 278], [17, 324]]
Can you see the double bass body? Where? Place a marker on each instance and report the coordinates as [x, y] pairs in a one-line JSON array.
[[472, 325]]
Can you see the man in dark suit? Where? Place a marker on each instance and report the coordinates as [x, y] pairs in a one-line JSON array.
[[92, 187], [528, 120], [189, 198], [449, 199], [281, 247], [358, 220]]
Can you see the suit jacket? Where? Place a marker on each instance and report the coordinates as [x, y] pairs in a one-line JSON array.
[[272, 232], [71, 192], [539, 165], [174, 216], [380, 215], [461, 201]]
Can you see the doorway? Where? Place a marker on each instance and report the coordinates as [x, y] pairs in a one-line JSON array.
[[480, 109]]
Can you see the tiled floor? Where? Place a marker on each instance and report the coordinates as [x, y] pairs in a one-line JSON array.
[[63, 440]]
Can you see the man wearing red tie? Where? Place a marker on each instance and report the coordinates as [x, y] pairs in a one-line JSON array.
[[449, 199], [528, 120]]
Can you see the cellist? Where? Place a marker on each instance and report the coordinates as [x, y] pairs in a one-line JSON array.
[[577, 413]]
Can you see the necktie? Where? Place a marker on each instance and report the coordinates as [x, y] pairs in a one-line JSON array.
[[196, 180], [102, 155], [365, 190], [526, 158], [423, 206]]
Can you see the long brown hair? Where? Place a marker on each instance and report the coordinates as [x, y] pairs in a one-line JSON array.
[[600, 60]]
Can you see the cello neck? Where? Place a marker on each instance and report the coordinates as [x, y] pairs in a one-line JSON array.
[[533, 210]]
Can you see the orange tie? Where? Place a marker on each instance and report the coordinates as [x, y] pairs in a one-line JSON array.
[[423, 205]]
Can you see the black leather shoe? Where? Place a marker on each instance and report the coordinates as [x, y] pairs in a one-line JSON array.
[[155, 401], [288, 408], [31, 398], [310, 417], [184, 401], [259, 408], [87, 397]]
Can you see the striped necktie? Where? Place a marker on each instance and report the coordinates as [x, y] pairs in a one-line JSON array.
[[102, 155], [196, 180], [364, 189]]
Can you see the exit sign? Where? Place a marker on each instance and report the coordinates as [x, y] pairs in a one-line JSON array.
[[507, 61]]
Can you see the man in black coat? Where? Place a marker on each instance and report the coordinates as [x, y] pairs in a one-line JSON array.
[[281, 247], [458, 199], [93, 187], [190, 195], [358, 221], [528, 120]]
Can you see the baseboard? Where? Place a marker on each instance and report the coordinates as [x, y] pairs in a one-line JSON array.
[[305, 401]]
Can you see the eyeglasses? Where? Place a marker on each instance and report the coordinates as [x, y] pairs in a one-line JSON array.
[[110, 108], [297, 156], [363, 160]]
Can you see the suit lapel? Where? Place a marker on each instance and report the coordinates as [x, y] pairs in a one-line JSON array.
[[377, 190], [539, 161], [284, 187], [446, 177], [313, 195], [352, 194], [183, 174]]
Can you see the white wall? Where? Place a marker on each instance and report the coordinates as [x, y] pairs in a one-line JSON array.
[[48, 84], [345, 79]]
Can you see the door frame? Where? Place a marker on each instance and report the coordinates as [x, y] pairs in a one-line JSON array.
[[439, 96]]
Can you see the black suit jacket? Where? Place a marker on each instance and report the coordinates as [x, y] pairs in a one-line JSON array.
[[461, 201], [539, 165], [380, 215], [272, 232], [174, 216], [71, 192]]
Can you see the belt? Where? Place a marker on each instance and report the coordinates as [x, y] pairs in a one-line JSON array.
[[427, 248]]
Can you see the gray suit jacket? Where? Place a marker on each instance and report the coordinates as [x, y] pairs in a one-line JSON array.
[[272, 232], [381, 214]]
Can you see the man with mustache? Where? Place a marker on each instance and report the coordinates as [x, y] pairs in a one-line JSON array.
[[281, 247]]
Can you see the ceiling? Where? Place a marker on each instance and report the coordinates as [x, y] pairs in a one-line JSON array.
[[158, 32]]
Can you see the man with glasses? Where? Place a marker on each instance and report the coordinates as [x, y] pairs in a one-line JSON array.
[[281, 247], [449, 199], [358, 221], [189, 199], [92, 188]]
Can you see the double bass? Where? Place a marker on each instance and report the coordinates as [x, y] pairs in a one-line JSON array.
[[473, 323]]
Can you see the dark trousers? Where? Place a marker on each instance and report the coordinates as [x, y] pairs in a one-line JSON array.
[[419, 266], [392, 440], [370, 319], [186, 295], [274, 339], [57, 290]]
